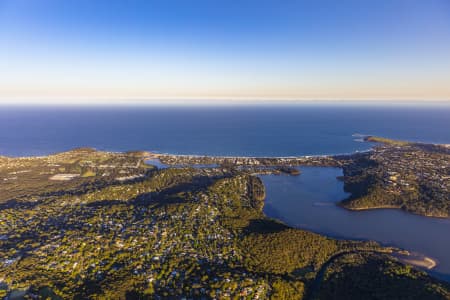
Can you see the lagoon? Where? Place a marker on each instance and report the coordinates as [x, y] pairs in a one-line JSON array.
[[309, 202]]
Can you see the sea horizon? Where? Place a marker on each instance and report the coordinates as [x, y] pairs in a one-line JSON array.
[[213, 102], [257, 131]]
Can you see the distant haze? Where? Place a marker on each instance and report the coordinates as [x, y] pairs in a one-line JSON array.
[[176, 51]]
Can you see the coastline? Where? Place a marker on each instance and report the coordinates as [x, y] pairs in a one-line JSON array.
[[300, 161], [375, 140], [157, 154], [416, 260]]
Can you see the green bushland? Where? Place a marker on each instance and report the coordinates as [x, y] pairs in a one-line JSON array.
[[198, 233], [377, 276], [382, 140]]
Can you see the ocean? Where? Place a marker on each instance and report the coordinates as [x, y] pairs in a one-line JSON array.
[[243, 130]]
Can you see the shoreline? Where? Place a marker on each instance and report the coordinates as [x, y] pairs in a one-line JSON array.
[[424, 261], [194, 160], [366, 138], [388, 207], [416, 259], [156, 154]]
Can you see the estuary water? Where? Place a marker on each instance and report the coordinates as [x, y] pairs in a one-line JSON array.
[[306, 201], [309, 202]]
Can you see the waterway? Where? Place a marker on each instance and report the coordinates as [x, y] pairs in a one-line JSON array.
[[309, 202]]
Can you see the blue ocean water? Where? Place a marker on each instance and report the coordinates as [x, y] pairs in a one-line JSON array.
[[252, 131]]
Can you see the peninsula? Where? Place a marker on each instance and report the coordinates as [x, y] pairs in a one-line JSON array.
[[411, 176], [86, 224]]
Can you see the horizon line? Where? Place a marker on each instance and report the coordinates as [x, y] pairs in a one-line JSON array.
[[206, 101]]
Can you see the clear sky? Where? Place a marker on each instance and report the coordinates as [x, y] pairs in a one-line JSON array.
[[88, 50]]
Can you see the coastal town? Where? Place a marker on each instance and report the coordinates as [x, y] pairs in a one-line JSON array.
[[394, 174], [154, 237], [86, 224], [411, 176]]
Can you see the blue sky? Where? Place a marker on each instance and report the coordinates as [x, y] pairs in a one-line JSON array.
[[61, 50]]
